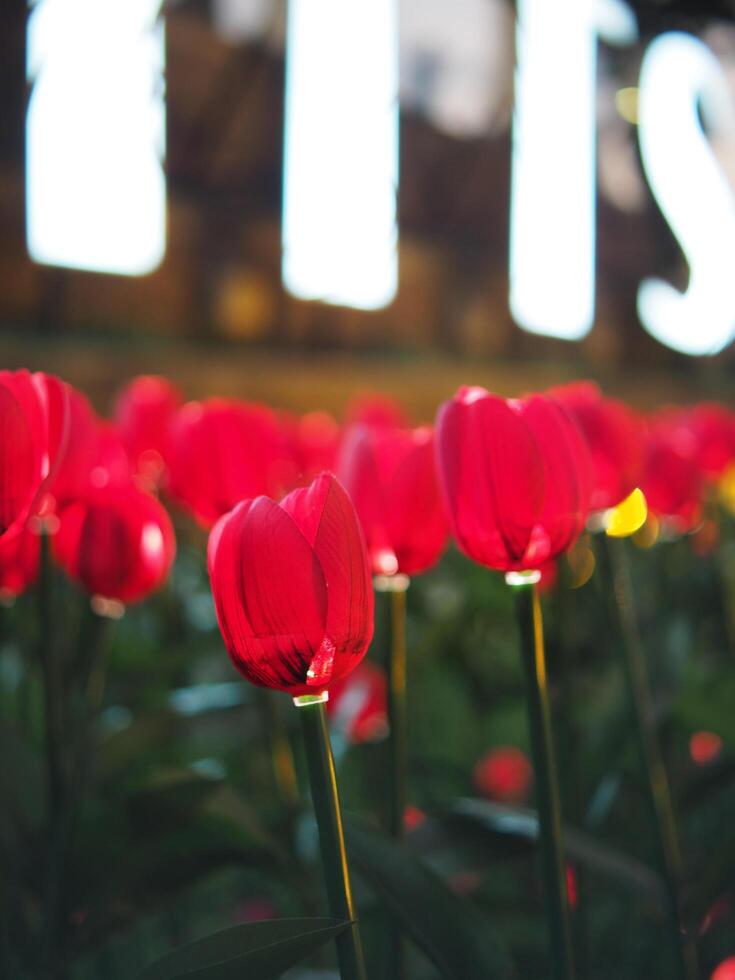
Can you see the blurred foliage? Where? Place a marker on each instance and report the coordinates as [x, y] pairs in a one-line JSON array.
[[178, 828]]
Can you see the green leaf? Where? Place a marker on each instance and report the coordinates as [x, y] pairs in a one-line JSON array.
[[500, 824], [256, 950], [450, 930]]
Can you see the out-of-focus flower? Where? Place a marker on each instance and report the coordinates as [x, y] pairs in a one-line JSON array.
[[34, 427], [19, 562], [504, 774], [391, 476], [144, 412], [94, 456], [292, 588], [672, 480], [314, 443], [413, 817], [614, 435], [357, 704], [116, 541], [725, 971], [714, 430], [377, 411], [515, 477], [224, 451], [572, 889], [704, 747]]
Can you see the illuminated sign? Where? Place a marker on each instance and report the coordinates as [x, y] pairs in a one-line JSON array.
[[95, 135], [341, 152]]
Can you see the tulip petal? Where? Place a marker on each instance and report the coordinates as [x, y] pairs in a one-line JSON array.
[[326, 516], [20, 461], [568, 476], [270, 594], [491, 476]]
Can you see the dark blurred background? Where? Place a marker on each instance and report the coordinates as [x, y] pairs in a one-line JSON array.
[[215, 316]]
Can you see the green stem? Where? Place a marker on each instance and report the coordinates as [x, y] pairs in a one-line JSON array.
[[52, 950], [631, 647], [528, 610], [325, 797]]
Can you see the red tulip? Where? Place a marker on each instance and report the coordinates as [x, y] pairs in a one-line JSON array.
[[504, 774], [672, 480], [94, 456], [377, 411], [292, 588], [20, 557], [314, 440], [704, 747], [714, 430], [515, 478], [391, 476], [726, 970], [144, 413], [614, 435], [34, 424], [358, 704], [117, 541], [222, 452]]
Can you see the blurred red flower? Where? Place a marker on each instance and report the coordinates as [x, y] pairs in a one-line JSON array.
[[377, 411], [314, 440], [391, 476], [504, 774], [725, 971], [515, 477], [116, 541], [292, 588], [224, 451], [20, 557], [358, 704], [614, 435], [34, 427], [704, 747], [714, 429], [672, 480], [144, 412], [94, 456]]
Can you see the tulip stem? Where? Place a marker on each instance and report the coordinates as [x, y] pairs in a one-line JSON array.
[[396, 586], [323, 780], [528, 611], [631, 648]]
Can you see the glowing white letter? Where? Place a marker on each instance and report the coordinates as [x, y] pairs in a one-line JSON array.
[[95, 133], [341, 152], [552, 230], [678, 73]]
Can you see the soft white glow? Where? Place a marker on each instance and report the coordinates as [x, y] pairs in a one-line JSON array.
[[552, 233], [678, 74], [95, 135], [341, 152], [615, 22]]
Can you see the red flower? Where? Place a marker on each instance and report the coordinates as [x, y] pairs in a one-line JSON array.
[[94, 456], [292, 588], [672, 480], [515, 478], [714, 429], [726, 970], [504, 774], [357, 704], [391, 476], [615, 438], [314, 443], [222, 452], [144, 412], [377, 411], [117, 541], [704, 747], [19, 562], [34, 423]]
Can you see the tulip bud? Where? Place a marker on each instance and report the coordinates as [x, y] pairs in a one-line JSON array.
[[116, 541], [292, 588]]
